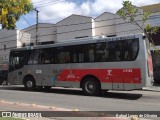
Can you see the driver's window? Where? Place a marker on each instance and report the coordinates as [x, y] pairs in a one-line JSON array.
[[17, 61]]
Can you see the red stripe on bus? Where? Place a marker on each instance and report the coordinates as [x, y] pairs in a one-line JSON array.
[[129, 75]]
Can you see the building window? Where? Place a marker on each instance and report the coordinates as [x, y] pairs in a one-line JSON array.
[[4, 47]]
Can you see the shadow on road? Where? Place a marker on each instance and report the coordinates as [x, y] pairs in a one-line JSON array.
[[69, 91], [128, 96]]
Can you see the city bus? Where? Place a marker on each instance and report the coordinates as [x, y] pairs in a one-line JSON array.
[[93, 64]]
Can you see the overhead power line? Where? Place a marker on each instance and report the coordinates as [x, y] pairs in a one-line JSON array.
[[26, 20], [92, 22], [44, 2], [55, 34], [48, 4], [155, 17], [80, 30], [39, 2]]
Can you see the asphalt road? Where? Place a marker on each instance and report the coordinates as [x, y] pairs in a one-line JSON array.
[[74, 99]]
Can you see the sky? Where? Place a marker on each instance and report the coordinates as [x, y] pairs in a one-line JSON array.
[[53, 11]]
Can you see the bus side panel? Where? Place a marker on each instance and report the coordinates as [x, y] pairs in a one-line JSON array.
[[117, 79], [48, 75]]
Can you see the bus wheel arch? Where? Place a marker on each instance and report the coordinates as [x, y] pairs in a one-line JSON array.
[[90, 85], [29, 82]]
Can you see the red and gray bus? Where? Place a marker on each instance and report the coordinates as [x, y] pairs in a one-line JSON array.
[[93, 64]]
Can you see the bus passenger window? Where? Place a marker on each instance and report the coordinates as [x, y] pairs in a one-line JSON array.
[[112, 51], [91, 53], [61, 57], [132, 49], [101, 53], [81, 57], [67, 60], [48, 56], [35, 57], [74, 58]]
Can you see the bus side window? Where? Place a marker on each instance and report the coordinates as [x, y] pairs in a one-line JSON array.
[[80, 53], [34, 57], [74, 54], [85, 53], [132, 49], [91, 53], [67, 59], [63, 55], [101, 52], [48, 56], [112, 51]]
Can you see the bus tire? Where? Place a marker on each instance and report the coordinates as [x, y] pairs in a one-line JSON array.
[[91, 86], [29, 83]]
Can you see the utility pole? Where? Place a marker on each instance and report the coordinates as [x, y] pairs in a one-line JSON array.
[[36, 25]]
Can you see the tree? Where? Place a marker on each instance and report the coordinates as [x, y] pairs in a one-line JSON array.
[[129, 12], [11, 10]]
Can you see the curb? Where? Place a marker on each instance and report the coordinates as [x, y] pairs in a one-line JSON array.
[[49, 108], [151, 89]]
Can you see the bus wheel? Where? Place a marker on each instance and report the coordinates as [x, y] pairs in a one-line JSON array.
[[29, 83], [91, 86]]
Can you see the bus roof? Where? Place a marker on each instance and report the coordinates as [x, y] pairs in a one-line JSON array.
[[80, 41]]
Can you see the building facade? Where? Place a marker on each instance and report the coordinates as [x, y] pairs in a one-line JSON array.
[[46, 32], [74, 27], [10, 39], [105, 24]]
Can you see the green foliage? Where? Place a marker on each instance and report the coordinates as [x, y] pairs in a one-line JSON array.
[[145, 16], [151, 30], [11, 10], [129, 12]]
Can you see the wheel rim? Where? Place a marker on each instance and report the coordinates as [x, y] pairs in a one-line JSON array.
[[90, 86], [29, 84]]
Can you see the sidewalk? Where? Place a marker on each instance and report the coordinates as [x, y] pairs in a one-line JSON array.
[[59, 113], [155, 87]]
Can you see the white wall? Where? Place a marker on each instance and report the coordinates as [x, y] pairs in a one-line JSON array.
[[105, 24], [124, 27], [154, 19], [11, 39], [46, 32], [8, 38], [74, 26]]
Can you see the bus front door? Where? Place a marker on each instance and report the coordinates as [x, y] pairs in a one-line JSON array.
[[16, 67], [15, 74]]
